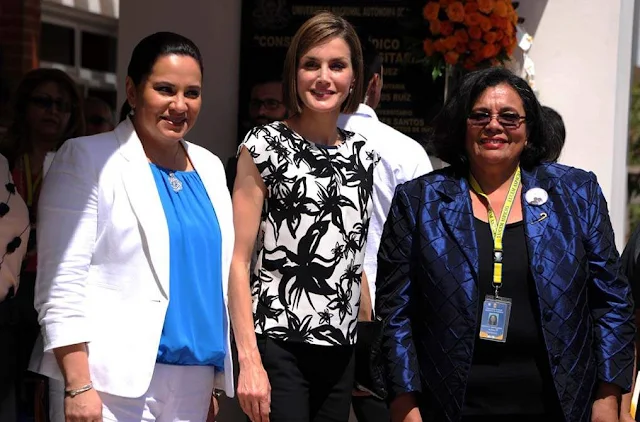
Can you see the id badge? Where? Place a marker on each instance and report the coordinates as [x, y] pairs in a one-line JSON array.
[[495, 318]]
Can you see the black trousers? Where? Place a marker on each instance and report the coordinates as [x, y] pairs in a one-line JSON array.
[[370, 409], [8, 360], [308, 383]]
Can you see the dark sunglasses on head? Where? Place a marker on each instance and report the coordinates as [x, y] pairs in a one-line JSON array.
[[47, 103], [507, 120], [269, 104], [97, 120]]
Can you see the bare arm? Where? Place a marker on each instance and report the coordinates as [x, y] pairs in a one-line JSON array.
[[74, 364], [249, 193], [366, 308]]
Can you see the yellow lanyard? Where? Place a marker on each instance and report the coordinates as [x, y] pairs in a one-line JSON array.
[[497, 226], [31, 186]]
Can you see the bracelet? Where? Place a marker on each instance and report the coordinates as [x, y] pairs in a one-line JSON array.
[[75, 391]]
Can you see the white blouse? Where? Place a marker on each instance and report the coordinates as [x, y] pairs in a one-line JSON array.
[[14, 232]]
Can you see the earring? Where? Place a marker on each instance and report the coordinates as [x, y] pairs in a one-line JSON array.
[[351, 90], [132, 112]]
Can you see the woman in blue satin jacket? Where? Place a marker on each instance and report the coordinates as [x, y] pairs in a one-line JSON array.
[[503, 231]]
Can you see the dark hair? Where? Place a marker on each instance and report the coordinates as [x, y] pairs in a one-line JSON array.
[[372, 62], [555, 124], [447, 140], [149, 50], [17, 142], [320, 28]]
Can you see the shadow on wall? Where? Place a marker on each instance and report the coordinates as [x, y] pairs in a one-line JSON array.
[[532, 12]]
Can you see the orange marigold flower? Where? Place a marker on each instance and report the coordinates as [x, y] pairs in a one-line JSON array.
[[461, 47], [471, 7], [490, 37], [472, 19], [445, 3], [485, 6], [507, 41], [434, 27], [450, 42], [469, 64], [475, 32], [499, 34], [430, 11], [451, 57], [427, 46], [509, 30], [475, 45], [439, 46], [446, 28], [462, 35], [455, 12], [501, 9], [485, 24], [477, 56], [513, 17]]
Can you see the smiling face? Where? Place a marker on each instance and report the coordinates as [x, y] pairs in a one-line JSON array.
[[48, 112], [324, 77], [168, 100], [493, 143]]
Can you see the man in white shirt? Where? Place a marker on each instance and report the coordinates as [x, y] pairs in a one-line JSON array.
[[401, 159]]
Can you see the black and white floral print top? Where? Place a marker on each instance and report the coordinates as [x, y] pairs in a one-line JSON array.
[[306, 281]]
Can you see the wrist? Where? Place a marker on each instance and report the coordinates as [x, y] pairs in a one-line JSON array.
[[72, 392], [249, 357]]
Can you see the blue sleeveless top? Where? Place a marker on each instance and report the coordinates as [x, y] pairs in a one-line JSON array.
[[193, 327]]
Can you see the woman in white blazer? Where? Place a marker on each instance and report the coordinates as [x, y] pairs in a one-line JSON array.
[[134, 242]]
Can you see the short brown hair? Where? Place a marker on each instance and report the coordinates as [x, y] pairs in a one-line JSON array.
[[318, 29]]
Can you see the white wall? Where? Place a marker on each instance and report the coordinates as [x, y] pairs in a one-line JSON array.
[[215, 27], [582, 53]]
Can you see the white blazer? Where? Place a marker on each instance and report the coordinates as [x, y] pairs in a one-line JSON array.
[[103, 258]]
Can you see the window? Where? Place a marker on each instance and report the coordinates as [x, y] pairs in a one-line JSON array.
[[57, 44], [99, 52]]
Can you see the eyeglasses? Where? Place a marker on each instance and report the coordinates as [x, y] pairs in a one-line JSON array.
[[507, 120], [269, 104], [46, 102]]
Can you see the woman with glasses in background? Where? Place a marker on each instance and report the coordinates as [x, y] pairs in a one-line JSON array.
[[499, 282], [47, 111]]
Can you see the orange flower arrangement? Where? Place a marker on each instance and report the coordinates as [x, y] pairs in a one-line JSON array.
[[469, 33]]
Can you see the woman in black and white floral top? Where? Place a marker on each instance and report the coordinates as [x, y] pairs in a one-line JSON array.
[[303, 189]]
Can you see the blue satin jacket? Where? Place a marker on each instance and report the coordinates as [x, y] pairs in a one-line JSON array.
[[427, 295]]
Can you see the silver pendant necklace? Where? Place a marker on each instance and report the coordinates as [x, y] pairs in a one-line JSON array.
[[175, 183]]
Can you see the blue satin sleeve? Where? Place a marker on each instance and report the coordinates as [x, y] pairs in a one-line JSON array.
[[393, 298], [610, 298]]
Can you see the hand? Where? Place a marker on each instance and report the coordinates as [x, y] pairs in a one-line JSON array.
[[626, 417], [605, 410], [214, 408], [254, 392], [85, 407]]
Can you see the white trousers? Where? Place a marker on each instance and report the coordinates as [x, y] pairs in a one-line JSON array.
[[176, 394]]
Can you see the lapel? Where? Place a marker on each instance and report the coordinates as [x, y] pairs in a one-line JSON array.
[[145, 202], [534, 215], [215, 184], [456, 215]]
